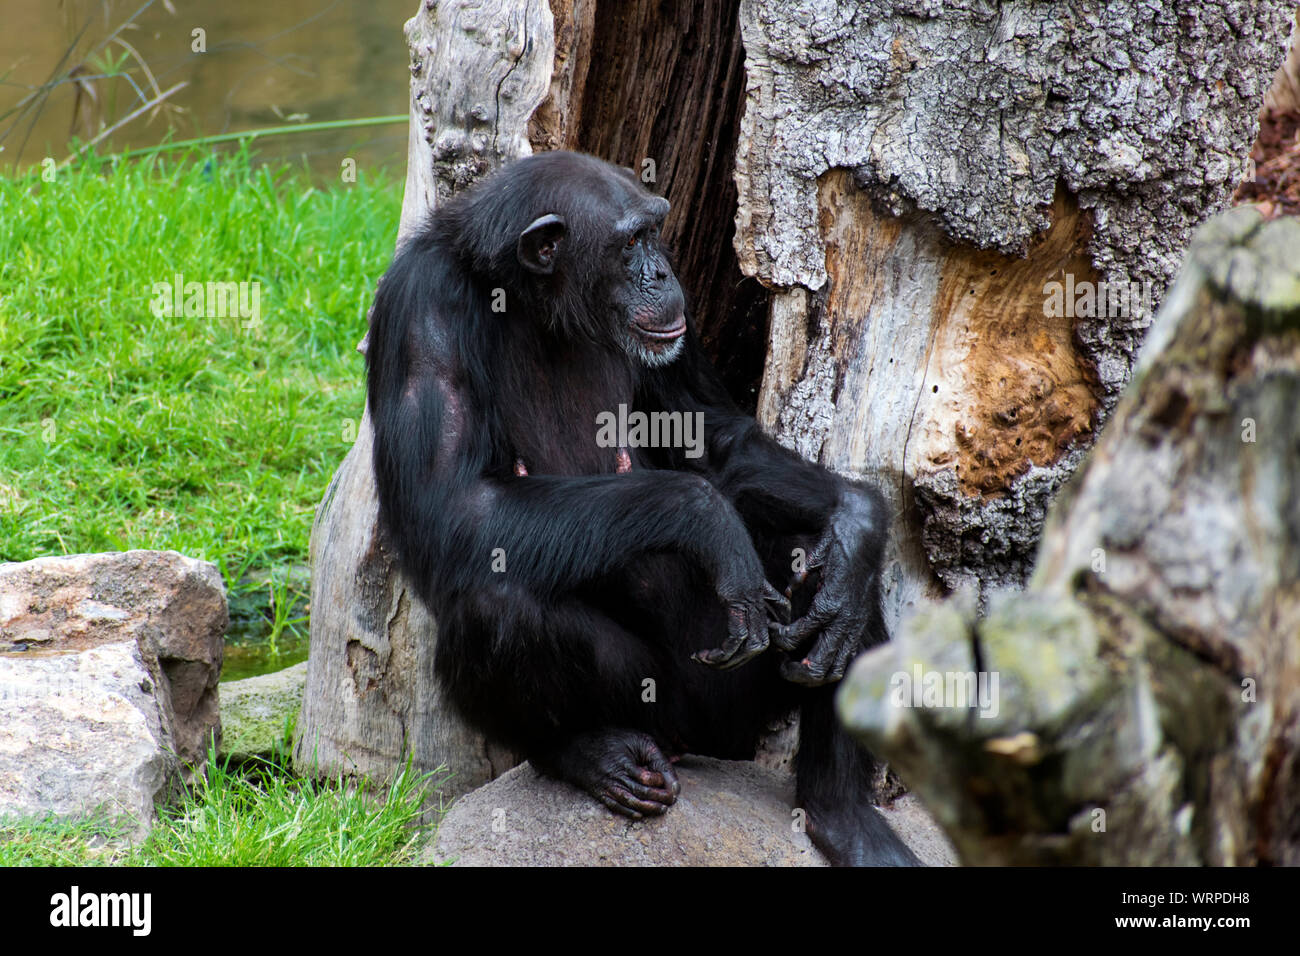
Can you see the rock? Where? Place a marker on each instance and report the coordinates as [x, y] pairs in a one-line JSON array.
[[730, 813], [256, 711], [108, 680], [83, 734]]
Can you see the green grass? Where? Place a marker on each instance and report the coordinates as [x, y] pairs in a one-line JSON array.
[[258, 816], [119, 429]]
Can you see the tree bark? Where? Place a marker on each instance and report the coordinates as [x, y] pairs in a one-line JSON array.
[[912, 175], [1147, 706]]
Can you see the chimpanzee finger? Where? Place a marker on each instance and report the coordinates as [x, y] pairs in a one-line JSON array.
[[791, 637], [644, 792], [816, 667], [724, 660], [719, 655], [849, 650], [778, 602], [656, 771], [617, 807], [829, 657], [622, 795], [746, 638], [812, 671]]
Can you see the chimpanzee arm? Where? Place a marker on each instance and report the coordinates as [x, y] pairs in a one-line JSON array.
[[774, 489], [779, 493]]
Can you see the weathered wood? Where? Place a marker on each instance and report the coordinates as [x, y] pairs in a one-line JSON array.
[[1148, 683], [479, 68], [911, 176]]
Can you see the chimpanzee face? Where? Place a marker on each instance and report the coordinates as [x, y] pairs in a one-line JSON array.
[[647, 301], [604, 252]]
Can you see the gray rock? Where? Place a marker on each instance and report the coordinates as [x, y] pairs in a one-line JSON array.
[[730, 813], [83, 734], [108, 676], [256, 711]]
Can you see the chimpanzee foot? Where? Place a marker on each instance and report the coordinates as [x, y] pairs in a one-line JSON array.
[[858, 836], [623, 769]]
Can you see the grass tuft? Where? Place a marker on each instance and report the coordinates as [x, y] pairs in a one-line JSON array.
[[256, 815]]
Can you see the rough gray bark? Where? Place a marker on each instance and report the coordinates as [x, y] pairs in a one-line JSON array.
[[479, 69], [912, 174], [1148, 705]]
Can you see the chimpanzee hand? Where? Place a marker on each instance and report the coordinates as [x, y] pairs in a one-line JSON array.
[[749, 599], [848, 556]]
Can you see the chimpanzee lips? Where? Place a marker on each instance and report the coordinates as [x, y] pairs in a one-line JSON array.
[[664, 333]]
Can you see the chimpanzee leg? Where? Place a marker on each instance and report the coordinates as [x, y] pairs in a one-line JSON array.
[[566, 686], [834, 781]]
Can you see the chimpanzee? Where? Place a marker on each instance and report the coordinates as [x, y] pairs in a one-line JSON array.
[[603, 598]]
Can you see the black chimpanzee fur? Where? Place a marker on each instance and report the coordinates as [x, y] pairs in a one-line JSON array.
[[566, 575]]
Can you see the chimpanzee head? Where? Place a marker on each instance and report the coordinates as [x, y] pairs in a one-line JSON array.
[[578, 240]]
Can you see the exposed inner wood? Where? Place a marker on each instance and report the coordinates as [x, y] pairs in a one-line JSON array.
[[1005, 385], [1026, 390]]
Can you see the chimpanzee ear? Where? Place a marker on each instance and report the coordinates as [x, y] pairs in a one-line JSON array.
[[539, 243]]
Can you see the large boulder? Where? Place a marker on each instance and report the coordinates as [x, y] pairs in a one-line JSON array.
[[730, 813], [108, 681]]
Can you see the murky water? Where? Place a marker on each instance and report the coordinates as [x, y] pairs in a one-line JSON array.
[[249, 650], [256, 643], [266, 64]]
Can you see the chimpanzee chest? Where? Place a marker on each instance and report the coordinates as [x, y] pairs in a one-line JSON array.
[[560, 431]]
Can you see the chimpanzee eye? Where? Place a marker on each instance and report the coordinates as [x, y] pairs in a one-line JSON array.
[[631, 242]]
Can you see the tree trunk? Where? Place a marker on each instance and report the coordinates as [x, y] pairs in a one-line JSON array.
[[1147, 704]]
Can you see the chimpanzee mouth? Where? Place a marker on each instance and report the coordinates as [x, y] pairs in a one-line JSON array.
[[664, 334]]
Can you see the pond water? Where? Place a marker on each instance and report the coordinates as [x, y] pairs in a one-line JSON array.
[[266, 64], [254, 643], [250, 651]]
